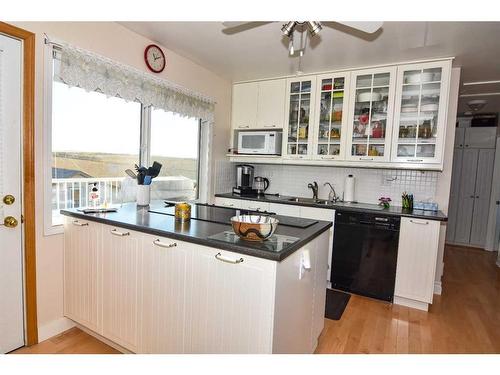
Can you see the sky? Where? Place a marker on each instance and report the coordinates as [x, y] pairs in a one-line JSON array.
[[91, 122]]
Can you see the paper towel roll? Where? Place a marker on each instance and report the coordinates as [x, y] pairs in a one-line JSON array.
[[350, 182]]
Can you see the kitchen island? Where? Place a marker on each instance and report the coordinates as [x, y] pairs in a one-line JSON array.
[[150, 284]]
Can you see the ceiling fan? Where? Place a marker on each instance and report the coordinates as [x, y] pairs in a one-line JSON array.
[[313, 28]]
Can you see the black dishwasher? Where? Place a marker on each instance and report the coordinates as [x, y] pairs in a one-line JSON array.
[[365, 252]]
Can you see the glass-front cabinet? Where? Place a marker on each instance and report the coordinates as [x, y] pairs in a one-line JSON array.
[[298, 133], [330, 125], [420, 113], [370, 114]]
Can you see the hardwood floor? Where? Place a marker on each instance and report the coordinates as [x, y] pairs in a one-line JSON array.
[[73, 341], [465, 319]]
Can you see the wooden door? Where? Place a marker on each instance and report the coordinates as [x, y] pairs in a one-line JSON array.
[[81, 258], [120, 286]]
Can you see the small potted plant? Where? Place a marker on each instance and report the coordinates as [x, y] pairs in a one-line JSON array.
[[384, 201]]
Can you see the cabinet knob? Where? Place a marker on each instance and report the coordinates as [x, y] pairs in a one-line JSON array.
[[472, 196]]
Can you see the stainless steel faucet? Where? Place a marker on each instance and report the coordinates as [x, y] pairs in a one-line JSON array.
[[314, 187], [332, 195]]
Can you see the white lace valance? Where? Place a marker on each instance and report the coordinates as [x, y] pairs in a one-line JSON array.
[[93, 72]]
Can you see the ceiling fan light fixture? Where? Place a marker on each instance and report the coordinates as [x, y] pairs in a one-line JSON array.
[[476, 105], [314, 27], [287, 28]]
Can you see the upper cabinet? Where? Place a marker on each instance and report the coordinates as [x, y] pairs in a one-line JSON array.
[[391, 117], [298, 134], [370, 114], [259, 105], [271, 104], [331, 119], [420, 113]]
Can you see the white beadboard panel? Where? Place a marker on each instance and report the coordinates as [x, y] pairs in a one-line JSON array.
[[417, 258], [121, 283], [371, 184], [320, 261], [81, 243], [229, 306], [164, 298], [225, 176]]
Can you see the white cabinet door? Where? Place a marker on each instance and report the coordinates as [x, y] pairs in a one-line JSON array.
[[330, 126], [485, 164], [417, 257], [231, 302], [299, 114], [164, 315], [466, 196], [120, 266], [81, 246], [227, 202], [480, 137], [459, 137], [271, 104], [420, 112], [321, 263], [244, 115], [370, 114], [284, 209]]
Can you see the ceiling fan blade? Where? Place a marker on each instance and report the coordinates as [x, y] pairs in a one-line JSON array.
[[237, 26], [235, 23], [366, 26]]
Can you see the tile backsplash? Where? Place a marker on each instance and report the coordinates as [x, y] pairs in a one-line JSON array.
[[371, 184]]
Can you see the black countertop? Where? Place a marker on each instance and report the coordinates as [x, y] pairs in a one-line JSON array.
[[357, 207], [131, 217]]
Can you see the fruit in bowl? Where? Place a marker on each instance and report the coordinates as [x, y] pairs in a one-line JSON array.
[[256, 228]]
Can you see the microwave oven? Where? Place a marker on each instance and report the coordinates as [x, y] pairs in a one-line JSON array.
[[259, 142]]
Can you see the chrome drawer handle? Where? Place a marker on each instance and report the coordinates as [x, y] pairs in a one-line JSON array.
[[269, 126], [365, 158], [165, 245], [78, 224], [419, 222], [218, 256], [118, 233], [415, 160], [243, 126]]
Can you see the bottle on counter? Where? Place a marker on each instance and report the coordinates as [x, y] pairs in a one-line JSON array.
[[94, 196]]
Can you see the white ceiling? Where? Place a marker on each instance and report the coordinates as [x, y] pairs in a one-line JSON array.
[[261, 52]]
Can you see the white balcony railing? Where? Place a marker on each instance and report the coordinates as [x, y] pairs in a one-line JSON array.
[[74, 192]]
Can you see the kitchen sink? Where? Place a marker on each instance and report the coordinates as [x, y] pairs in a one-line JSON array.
[[310, 200]]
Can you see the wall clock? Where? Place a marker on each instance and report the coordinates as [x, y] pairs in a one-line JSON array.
[[155, 58]]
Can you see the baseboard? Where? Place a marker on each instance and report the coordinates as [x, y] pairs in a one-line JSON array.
[[54, 328], [438, 288], [104, 340], [411, 303]]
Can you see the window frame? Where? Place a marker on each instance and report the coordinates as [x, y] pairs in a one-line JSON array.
[[204, 150]]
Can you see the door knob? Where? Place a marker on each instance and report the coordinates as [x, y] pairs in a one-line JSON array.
[[10, 222], [9, 199]]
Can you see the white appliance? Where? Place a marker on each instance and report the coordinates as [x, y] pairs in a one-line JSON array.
[[259, 142]]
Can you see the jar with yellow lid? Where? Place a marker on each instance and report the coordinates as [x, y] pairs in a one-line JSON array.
[[182, 211]]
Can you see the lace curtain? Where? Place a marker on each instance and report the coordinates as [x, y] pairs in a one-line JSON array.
[[93, 72]]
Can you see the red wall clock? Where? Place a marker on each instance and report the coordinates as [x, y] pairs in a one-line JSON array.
[[155, 58]]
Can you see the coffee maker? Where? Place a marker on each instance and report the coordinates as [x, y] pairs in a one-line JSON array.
[[244, 180]]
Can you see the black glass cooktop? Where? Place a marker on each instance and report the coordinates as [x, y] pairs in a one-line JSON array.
[[223, 215], [275, 243]]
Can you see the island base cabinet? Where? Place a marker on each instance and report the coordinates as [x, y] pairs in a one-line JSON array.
[[152, 294], [81, 243], [120, 286], [416, 266]]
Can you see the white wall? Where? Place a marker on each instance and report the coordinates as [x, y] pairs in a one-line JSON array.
[[118, 43]]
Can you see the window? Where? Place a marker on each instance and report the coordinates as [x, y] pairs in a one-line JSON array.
[[94, 138], [175, 143]]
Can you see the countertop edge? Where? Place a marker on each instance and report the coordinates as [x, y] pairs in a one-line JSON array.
[[439, 217], [204, 241]]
